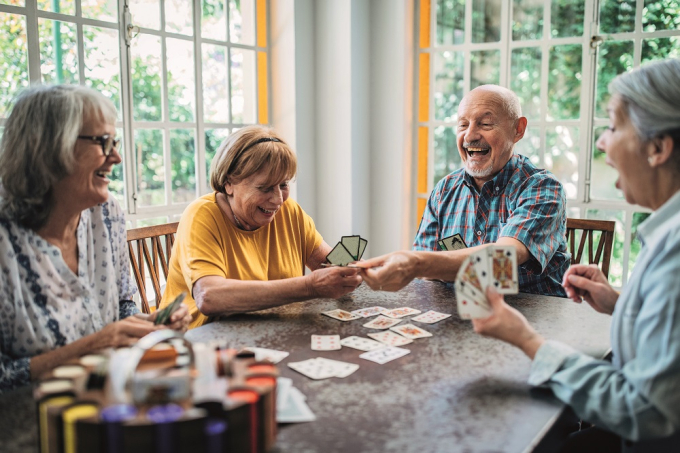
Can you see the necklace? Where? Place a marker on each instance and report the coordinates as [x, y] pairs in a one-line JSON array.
[[238, 222]]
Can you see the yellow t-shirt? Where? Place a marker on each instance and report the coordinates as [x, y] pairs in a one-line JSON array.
[[206, 244]]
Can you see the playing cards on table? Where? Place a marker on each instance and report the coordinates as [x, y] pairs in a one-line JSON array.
[[494, 266], [348, 250]]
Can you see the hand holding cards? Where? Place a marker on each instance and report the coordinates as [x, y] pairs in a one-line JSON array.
[[348, 250], [494, 266], [163, 316]]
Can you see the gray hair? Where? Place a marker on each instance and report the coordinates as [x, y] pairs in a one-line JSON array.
[[651, 98], [38, 146]]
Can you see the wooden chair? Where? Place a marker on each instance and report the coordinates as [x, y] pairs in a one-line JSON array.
[[587, 229], [161, 238]]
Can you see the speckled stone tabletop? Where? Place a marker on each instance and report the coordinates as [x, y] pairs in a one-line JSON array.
[[455, 391]]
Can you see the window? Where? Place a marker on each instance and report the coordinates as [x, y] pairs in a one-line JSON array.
[[558, 56], [183, 75]]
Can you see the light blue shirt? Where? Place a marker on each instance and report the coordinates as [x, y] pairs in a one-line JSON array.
[[638, 395]]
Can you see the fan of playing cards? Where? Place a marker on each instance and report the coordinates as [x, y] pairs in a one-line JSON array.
[[494, 266], [348, 250]]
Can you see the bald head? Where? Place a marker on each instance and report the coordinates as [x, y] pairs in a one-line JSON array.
[[506, 100]]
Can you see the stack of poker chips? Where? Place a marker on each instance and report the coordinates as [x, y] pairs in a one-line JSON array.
[[77, 412]]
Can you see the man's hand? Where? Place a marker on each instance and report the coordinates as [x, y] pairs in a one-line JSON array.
[[509, 325], [390, 272], [333, 282], [588, 282]]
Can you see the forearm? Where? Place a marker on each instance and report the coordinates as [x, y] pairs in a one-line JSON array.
[[44, 362], [220, 296]]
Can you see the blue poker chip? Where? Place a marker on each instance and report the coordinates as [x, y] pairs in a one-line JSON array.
[[165, 413], [118, 413]]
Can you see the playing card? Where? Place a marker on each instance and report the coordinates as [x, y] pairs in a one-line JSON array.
[[313, 369], [482, 264], [430, 317], [384, 355], [271, 355], [342, 315], [467, 278], [503, 265], [164, 315], [340, 255], [469, 307], [325, 342], [283, 386], [368, 311], [342, 369], [401, 312], [362, 246], [360, 343], [295, 410], [382, 322], [390, 338], [351, 243], [411, 331], [454, 242]]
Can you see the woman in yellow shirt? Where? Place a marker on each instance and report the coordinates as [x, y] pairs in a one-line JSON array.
[[245, 246]]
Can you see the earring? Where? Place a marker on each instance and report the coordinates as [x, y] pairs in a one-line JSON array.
[[650, 159]]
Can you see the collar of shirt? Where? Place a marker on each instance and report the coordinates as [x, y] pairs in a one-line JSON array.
[[664, 218], [498, 183]]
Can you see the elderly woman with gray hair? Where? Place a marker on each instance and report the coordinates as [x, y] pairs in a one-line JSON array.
[[636, 397], [65, 286]]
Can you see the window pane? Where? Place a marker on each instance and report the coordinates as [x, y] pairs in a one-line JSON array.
[[450, 21], [486, 21], [485, 67], [617, 16], [150, 167], [58, 51], [448, 83], [660, 48], [58, 6], [102, 67], [146, 78], [527, 19], [615, 57], [215, 84], [214, 20], [12, 2], [661, 15], [616, 264], [100, 9], [635, 244], [152, 222], [183, 157], [117, 184], [179, 17], [181, 86], [566, 17], [561, 156], [564, 82], [525, 80], [243, 100], [13, 59], [603, 177], [530, 146], [242, 21], [213, 138], [446, 156], [146, 13]]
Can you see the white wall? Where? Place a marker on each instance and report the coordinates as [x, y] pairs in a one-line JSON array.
[[342, 95]]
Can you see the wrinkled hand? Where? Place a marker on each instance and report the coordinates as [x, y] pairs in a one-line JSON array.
[[389, 272], [588, 282], [333, 282], [125, 332], [180, 319], [509, 325]]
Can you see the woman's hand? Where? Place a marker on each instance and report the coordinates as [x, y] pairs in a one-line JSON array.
[[125, 332], [509, 325], [333, 282], [180, 319], [588, 282], [389, 272]]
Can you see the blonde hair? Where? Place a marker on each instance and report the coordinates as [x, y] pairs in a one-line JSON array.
[[248, 151]]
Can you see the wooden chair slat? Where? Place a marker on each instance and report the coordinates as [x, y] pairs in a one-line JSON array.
[[596, 253]]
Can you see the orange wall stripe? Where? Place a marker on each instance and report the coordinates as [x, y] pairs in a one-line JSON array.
[[424, 23], [424, 88], [261, 23], [422, 160], [422, 202], [262, 92]]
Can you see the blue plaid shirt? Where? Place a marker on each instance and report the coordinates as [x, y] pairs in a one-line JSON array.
[[521, 202]]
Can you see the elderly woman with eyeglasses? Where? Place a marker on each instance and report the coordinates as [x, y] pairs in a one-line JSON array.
[[245, 246], [65, 286], [637, 397]]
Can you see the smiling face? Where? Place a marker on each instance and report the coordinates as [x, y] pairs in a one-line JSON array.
[[254, 201], [487, 131], [88, 185]]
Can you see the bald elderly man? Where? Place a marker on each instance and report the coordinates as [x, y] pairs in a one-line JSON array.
[[498, 197]]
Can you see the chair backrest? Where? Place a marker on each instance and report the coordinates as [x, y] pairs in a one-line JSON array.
[[588, 228], [153, 259]]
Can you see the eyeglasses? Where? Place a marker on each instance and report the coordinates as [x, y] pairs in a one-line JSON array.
[[107, 142]]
